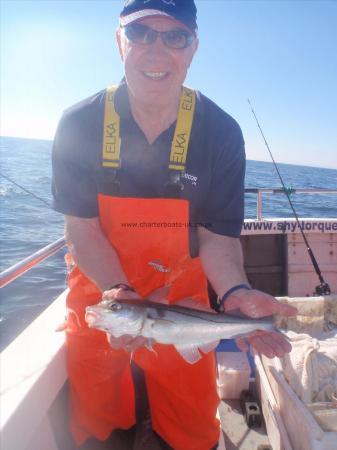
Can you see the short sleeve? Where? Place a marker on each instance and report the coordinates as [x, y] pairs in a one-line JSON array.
[[224, 212], [73, 182]]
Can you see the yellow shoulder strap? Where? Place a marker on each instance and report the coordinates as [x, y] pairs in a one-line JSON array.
[[179, 147], [111, 132], [182, 132]]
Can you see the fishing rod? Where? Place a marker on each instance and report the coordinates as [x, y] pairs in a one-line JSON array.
[[26, 190], [323, 288]]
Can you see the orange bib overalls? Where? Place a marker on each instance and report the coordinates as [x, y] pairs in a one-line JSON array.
[[151, 239]]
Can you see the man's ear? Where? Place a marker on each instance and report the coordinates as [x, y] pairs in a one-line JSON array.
[[196, 45], [194, 50], [119, 39]]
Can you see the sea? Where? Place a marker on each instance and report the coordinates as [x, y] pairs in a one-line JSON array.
[[27, 223]]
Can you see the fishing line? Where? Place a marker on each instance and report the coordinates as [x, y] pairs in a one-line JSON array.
[[26, 190], [323, 288]]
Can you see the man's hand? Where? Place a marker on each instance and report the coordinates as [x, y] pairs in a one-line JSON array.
[[257, 304], [119, 294], [128, 343]]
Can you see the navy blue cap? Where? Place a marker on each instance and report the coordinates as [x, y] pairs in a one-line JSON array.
[[183, 11]]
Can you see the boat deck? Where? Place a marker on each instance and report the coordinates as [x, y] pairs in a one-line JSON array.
[[236, 435]]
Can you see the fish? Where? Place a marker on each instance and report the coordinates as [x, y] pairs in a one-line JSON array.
[[188, 329]]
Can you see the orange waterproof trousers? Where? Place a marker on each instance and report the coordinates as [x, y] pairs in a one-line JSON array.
[[150, 237]]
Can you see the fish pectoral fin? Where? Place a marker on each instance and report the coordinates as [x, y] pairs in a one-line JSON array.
[[159, 323], [189, 352], [206, 348]]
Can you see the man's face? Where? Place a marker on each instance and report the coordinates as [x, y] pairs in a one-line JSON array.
[[155, 72]]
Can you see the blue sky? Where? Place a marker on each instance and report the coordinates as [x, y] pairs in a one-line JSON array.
[[280, 54]]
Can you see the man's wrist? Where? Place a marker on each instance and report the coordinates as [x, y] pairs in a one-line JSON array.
[[231, 290]]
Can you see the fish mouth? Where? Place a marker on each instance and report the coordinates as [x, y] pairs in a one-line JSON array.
[[91, 317]]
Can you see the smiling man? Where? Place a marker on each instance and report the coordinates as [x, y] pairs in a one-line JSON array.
[[149, 175]]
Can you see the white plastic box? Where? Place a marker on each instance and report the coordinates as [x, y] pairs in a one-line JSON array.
[[302, 428], [233, 374]]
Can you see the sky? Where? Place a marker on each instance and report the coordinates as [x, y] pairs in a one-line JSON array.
[[279, 54]]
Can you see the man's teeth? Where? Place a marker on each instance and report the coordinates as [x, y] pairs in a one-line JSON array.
[[155, 75]]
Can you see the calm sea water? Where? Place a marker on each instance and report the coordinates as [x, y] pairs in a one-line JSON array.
[[27, 225]]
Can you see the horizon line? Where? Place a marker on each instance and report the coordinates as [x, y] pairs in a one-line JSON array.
[[248, 159]]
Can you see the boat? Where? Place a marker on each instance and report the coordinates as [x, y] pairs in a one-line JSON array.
[[33, 369]]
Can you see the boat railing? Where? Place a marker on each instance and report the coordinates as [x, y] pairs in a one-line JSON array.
[[18, 269], [291, 191], [15, 271]]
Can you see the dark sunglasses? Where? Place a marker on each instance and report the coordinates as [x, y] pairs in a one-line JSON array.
[[141, 34]]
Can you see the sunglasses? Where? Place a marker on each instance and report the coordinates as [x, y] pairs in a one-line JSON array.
[[142, 34]]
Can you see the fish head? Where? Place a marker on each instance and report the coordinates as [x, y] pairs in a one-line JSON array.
[[116, 318]]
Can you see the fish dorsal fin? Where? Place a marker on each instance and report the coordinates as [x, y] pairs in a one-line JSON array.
[[189, 352], [194, 304], [206, 348]]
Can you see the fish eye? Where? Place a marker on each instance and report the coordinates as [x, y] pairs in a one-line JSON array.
[[114, 306]]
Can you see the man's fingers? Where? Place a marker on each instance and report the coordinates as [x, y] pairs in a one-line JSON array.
[[286, 310], [113, 342], [280, 340], [139, 341], [126, 342], [269, 343], [122, 294], [275, 344], [118, 342], [276, 307], [135, 343], [261, 346], [266, 305], [119, 294]]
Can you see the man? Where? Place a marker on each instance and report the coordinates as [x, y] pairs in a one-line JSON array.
[[150, 179]]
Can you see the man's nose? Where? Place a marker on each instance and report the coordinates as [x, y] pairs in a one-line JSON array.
[[158, 44]]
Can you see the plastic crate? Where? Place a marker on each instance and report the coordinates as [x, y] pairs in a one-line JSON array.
[[233, 374]]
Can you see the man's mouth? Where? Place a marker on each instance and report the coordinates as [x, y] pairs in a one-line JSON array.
[[156, 75]]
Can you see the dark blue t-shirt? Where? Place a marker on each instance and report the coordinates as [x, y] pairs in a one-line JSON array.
[[215, 166]]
